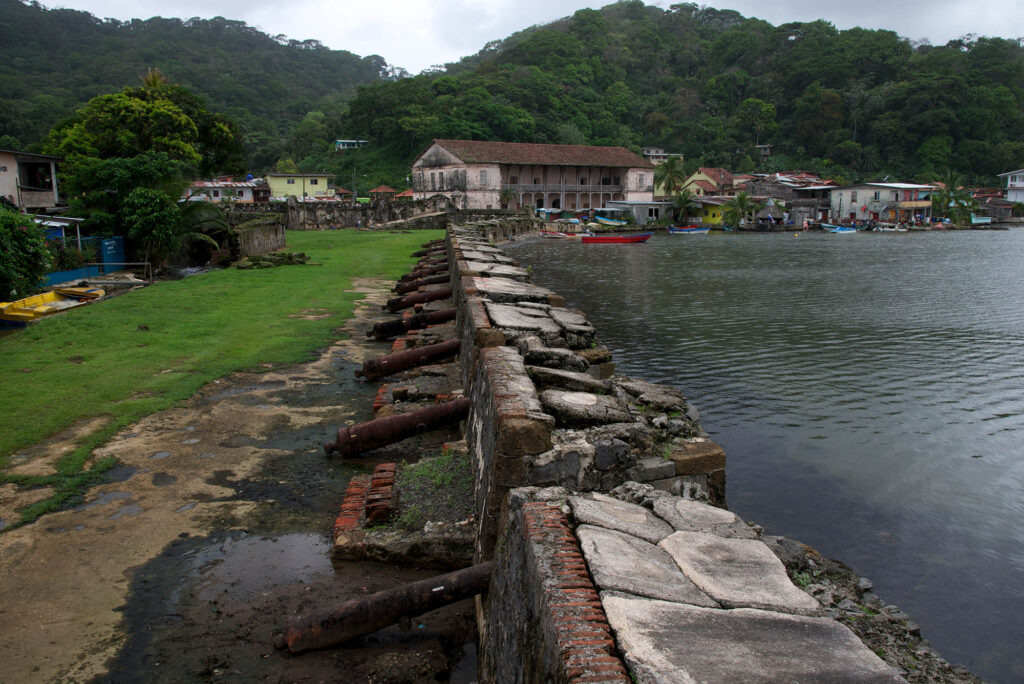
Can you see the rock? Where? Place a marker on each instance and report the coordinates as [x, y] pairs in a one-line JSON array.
[[612, 514], [582, 408], [693, 516], [864, 584], [792, 554], [848, 606], [651, 468], [546, 378], [609, 453], [639, 436]]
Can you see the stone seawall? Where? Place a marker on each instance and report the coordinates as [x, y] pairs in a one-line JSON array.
[[601, 502]]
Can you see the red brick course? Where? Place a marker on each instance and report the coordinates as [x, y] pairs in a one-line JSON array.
[[584, 640], [351, 512], [379, 497]]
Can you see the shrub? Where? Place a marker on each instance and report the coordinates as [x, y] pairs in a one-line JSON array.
[[24, 256]]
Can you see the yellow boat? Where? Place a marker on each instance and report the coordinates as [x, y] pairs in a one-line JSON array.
[[40, 305]]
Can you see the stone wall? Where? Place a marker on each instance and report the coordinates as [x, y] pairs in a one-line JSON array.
[[260, 237], [323, 215], [547, 408]]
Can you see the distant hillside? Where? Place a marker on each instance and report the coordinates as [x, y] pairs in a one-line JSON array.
[[713, 84], [53, 61]]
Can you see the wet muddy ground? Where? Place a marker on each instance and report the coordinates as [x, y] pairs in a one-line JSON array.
[[214, 528]]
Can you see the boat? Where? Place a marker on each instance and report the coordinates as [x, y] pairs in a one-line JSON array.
[[553, 234], [838, 230], [33, 308], [605, 221], [616, 239], [687, 230]]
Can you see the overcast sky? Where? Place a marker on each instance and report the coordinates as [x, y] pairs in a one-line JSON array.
[[418, 34]]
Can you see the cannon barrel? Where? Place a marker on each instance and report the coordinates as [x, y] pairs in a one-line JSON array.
[[410, 358], [386, 329], [366, 614], [379, 432], [413, 285], [396, 304]]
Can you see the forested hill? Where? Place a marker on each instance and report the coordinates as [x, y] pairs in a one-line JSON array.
[[854, 104], [53, 61], [711, 84]]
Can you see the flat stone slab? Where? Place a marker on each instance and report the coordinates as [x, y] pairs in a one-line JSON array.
[[508, 290], [584, 408], [694, 516], [738, 573], [612, 514], [622, 562], [510, 317], [494, 269], [567, 380], [674, 642], [489, 257]]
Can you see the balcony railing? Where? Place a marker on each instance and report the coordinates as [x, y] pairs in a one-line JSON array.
[[557, 187]]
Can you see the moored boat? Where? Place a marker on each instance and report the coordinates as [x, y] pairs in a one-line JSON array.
[[616, 239], [688, 230], [838, 230], [605, 221], [38, 306]]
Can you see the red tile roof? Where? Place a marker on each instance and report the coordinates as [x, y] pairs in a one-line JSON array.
[[719, 175], [382, 189], [542, 155], [404, 193], [708, 188]]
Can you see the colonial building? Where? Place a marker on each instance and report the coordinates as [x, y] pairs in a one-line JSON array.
[[1014, 185], [29, 181], [709, 181], [886, 202], [491, 175], [222, 191]]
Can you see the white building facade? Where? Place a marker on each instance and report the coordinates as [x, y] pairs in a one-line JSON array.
[[1014, 185], [492, 175]]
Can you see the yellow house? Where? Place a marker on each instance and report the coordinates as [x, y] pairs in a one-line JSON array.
[[299, 185], [711, 209], [709, 181]]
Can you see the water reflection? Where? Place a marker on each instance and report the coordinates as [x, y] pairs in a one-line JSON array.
[[869, 391]]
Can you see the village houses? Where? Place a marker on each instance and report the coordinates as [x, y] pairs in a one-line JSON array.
[[28, 181]]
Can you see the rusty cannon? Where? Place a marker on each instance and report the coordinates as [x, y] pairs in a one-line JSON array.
[[361, 616], [358, 439], [397, 304], [388, 329], [429, 251], [423, 272], [413, 285], [410, 358]]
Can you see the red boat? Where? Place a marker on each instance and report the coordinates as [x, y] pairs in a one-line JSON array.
[[616, 239]]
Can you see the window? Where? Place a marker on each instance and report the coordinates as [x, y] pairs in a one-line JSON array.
[[618, 181], [512, 180], [878, 195], [433, 181], [853, 196], [536, 181], [291, 181], [313, 181], [216, 193], [641, 183], [483, 178], [583, 181], [440, 180], [241, 193]]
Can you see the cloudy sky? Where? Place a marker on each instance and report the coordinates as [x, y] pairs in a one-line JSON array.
[[418, 34]]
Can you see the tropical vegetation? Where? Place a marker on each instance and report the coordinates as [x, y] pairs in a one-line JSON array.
[[24, 255]]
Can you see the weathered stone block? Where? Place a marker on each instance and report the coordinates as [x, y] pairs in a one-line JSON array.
[[696, 456], [653, 468], [609, 453], [522, 436], [568, 380], [583, 408]]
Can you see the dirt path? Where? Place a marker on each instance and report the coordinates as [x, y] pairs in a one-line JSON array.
[[211, 531]]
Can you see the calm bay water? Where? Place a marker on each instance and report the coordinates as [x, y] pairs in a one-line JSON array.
[[868, 390]]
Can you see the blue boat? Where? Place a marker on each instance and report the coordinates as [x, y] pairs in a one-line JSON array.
[[687, 230], [838, 230]]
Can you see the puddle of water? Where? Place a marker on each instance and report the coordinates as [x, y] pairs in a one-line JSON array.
[[240, 567], [191, 440], [208, 455], [130, 509], [186, 507], [161, 454], [163, 479], [464, 671], [120, 473], [103, 499]]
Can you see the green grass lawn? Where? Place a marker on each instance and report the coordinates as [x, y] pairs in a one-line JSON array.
[[142, 352]]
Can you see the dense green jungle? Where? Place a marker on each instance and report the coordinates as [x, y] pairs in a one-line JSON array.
[[853, 105]]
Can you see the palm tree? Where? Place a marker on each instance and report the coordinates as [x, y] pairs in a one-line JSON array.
[[685, 204], [507, 196], [670, 175], [736, 210], [953, 200]]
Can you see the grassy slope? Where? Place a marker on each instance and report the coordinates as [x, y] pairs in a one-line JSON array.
[[143, 351]]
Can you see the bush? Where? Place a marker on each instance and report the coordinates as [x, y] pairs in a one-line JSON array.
[[24, 256]]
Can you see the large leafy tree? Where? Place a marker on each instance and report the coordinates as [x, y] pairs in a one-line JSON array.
[[24, 255], [129, 156]]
